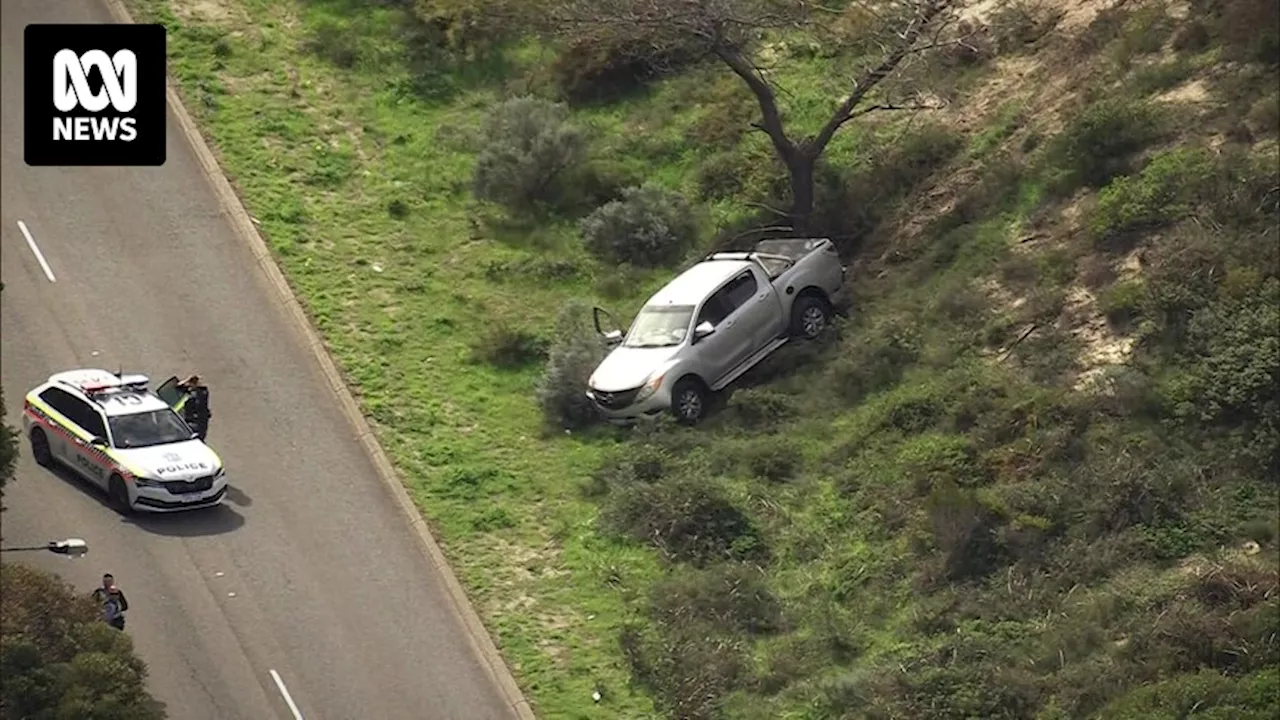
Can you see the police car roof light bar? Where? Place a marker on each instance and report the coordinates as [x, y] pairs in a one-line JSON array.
[[123, 382]]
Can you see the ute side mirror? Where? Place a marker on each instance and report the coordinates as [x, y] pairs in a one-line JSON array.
[[602, 320], [703, 330]]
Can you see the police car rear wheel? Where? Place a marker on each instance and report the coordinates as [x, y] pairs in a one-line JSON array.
[[119, 495], [40, 448]]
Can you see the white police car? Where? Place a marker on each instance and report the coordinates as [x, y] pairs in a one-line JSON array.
[[114, 431]]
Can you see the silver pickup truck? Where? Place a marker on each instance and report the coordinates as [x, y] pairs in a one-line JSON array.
[[712, 324]]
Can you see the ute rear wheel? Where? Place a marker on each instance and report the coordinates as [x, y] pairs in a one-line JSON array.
[[40, 448], [689, 400], [810, 317], [118, 493]]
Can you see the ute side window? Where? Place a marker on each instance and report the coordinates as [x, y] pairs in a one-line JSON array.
[[713, 310], [740, 290]]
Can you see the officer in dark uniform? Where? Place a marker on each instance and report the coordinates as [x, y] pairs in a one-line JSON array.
[[196, 408]]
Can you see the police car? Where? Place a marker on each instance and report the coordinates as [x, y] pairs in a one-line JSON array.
[[111, 429]]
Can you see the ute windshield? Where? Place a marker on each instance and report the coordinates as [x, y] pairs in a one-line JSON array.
[[659, 326], [147, 429]]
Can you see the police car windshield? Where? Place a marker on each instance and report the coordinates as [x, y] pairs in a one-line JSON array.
[[145, 429]]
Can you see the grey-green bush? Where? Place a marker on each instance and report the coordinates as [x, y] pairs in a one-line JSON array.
[[574, 354], [648, 227], [531, 149]]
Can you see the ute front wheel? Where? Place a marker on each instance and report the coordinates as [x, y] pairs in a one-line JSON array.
[[689, 401]]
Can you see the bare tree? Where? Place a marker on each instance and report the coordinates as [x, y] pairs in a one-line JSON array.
[[731, 30]]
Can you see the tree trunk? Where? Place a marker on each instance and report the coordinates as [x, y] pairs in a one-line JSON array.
[[800, 166]]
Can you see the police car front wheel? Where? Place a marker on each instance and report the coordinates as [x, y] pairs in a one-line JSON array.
[[40, 448], [119, 495]]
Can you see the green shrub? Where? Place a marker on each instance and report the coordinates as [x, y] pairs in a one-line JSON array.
[[1099, 142], [637, 462], [599, 69], [688, 672], [873, 191], [1164, 192], [876, 361], [686, 519], [730, 597], [964, 530], [1122, 303], [648, 227], [722, 175], [1264, 116], [1233, 378], [1144, 32], [1159, 77], [507, 347], [776, 459], [573, 355], [757, 408], [472, 28], [337, 43], [1137, 481], [1203, 694], [531, 150], [935, 458], [1018, 24], [1245, 29]]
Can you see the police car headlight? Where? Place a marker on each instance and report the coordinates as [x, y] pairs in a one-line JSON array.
[[220, 473], [147, 482]]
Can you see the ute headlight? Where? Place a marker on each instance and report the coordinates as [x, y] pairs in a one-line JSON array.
[[650, 387]]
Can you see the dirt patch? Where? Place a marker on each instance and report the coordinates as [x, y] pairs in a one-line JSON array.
[[1102, 348], [1191, 93], [210, 12]]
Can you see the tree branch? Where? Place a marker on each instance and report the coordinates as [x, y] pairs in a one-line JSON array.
[[891, 106], [872, 77], [770, 117], [771, 209]]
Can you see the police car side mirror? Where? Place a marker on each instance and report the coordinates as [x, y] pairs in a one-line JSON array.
[[98, 442]]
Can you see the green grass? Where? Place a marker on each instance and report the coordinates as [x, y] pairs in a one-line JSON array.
[[850, 470], [400, 301]]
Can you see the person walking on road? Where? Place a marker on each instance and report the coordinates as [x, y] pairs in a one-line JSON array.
[[114, 603], [196, 408]]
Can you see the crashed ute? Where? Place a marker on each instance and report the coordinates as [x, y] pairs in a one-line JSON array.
[[113, 431], [712, 324]]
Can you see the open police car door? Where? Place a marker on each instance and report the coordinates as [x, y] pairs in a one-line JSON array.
[[170, 392]]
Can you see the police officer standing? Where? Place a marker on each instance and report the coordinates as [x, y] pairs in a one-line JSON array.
[[114, 604], [196, 408]]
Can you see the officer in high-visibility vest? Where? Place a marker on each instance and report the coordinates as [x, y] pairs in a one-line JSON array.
[[194, 406]]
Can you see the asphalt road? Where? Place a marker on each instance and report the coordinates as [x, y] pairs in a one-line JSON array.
[[311, 570]]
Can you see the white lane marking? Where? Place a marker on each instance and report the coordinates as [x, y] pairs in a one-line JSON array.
[[35, 250], [297, 714]]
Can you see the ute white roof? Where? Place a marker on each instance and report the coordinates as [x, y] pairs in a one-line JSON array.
[[694, 285], [123, 394]]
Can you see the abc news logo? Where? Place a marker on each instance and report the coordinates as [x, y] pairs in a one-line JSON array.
[[71, 90], [94, 95]]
